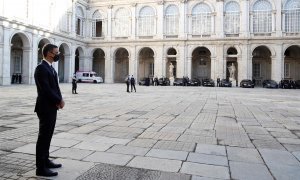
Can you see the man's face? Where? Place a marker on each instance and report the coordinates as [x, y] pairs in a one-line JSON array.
[[54, 52]]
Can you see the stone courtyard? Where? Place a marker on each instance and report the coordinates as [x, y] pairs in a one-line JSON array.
[[158, 133]]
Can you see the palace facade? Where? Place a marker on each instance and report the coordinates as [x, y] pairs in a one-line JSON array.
[[201, 38]]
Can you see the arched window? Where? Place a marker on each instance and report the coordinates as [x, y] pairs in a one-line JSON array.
[[232, 18], [262, 17], [172, 20], [97, 26], [201, 19], [292, 16], [122, 23], [146, 21], [79, 21]]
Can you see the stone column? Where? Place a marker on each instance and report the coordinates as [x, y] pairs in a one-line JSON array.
[[109, 66], [159, 61], [277, 64], [188, 65], [219, 19], [180, 59], [133, 63], [278, 18], [183, 20], [213, 67], [109, 23], [220, 61], [27, 68], [5, 78], [244, 18], [73, 22], [245, 72], [160, 20], [163, 66], [133, 21], [68, 73], [88, 63]]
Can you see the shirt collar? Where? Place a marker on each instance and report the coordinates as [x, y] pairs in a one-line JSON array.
[[50, 64]]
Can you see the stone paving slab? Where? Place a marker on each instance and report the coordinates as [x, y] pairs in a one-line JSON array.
[[155, 164], [72, 153], [121, 149], [175, 145], [211, 149], [251, 171], [168, 154], [31, 149], [208, 159], [205, 170], [110, 158], [93, 146], [243, 155], [147, 143], [272, 156]]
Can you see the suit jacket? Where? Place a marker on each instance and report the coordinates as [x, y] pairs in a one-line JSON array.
[[49, 94]]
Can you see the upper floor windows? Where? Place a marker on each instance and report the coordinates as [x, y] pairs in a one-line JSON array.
[[97, 25], [201, 19], [121, 25], [79, 21], [146, 22], [262, 17], [232, 18], [172, 20], [292, 16]]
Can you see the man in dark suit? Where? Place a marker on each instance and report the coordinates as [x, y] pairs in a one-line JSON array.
[[48, 101]]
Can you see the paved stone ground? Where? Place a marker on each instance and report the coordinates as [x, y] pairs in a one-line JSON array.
[[157, 133]]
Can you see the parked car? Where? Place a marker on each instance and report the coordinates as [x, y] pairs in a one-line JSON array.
[[194, 82], [297, 84], [178, 82], [142, 82], [88, 76], [164, 82], [246, 83], [208, 82], [225, 83], [270, 84], [286, 84]]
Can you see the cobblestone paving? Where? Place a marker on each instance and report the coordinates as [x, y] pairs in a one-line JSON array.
[[171, 132]]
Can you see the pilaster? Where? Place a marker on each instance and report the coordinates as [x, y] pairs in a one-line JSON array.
[[244, 18]]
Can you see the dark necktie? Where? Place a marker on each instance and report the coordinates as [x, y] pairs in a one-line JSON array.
[[53, 70]]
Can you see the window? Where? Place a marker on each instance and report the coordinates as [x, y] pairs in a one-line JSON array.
[[85, 74], [151, 69], [79, 21], [201, 19], [97, 25], [256, 70], [292, 16], [262, 17], [171, 19], [146, 22], [287, 70], [232, 18], [122, 23]]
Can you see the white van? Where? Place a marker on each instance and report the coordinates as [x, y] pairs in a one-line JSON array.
[[88, 76]]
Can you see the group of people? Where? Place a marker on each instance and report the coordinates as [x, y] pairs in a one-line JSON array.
[[16, 78], [130, 81]]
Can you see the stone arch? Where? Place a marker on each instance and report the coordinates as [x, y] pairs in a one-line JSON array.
[[64, 65], [98, 62], [201, 63], [145, 63], [20, 57], [291, 69], [261, 64], [41, 44], [79, 54], [171, 60], [121, 64]]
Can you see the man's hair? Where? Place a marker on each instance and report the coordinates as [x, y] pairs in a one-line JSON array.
[[48, 48]]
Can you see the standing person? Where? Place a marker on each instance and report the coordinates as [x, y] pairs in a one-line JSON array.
[[74, 84], [132, 83], [155, 81], [48, 101], [20, 78], [218, 81], [127, 80]]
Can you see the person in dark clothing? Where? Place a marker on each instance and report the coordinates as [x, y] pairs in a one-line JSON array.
[[127, 81], [74, 85], [13, 78], [253, 81], [132, 83], [49, 100], [20, 78], [218, 82], [155, 81]]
